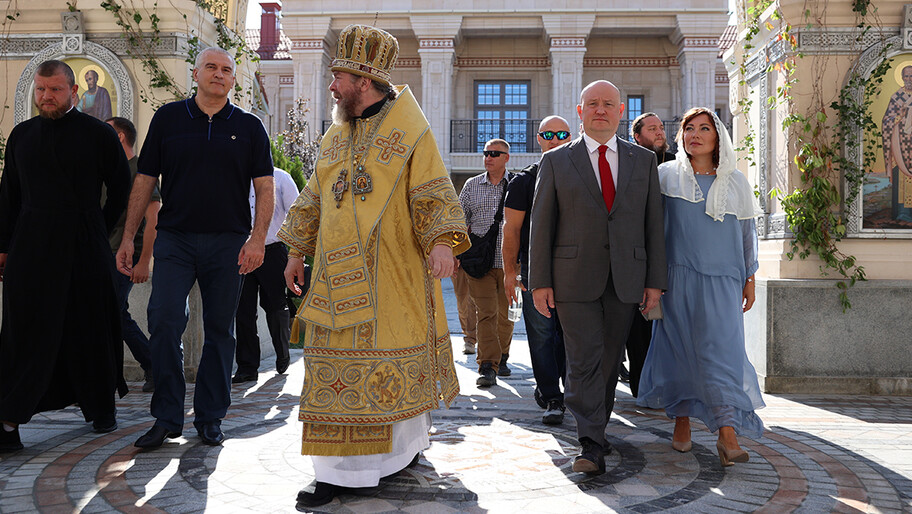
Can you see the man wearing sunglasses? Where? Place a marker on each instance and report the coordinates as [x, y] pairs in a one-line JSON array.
[[480, 198], [597, 253], [546, 342]]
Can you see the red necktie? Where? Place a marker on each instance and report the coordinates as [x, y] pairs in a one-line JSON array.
[[605, 176]]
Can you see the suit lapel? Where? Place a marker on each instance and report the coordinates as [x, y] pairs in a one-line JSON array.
[[626, 162], [579, 156]]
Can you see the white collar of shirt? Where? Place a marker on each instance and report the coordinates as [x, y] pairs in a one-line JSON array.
[[611, 155], [592, 145]]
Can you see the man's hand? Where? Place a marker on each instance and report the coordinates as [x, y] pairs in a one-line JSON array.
[[251, 256], [140, 272], [294, 272], [2, 264], [440, 261], [124, 258], [510, 284], [543, 298], [651, 297]]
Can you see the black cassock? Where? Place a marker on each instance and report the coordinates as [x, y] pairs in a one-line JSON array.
[[60, 342]]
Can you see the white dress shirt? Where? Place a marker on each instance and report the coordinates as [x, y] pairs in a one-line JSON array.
[[612, 155], [286, 192]]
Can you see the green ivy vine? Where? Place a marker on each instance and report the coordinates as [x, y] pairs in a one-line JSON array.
[[143, 34], [824, 136]]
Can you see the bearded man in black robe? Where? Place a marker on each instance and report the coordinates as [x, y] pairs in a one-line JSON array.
[[53, 245]]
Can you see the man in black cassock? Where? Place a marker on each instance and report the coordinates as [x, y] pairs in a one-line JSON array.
[[53, 244]]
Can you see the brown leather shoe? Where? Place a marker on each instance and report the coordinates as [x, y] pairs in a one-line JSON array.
[[591, 459]]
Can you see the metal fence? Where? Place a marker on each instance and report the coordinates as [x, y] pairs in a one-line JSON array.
[[470, 136]]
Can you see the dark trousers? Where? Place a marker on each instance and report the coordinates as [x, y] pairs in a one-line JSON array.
[[269, 281], [181, 259], [135, 338], [637, 348], [546, 347], [594, 337]]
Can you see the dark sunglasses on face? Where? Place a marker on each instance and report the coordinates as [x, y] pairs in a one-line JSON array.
[[549, 134], [493, 153]]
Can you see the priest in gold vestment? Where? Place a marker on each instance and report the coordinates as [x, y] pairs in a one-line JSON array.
[[382, 221]]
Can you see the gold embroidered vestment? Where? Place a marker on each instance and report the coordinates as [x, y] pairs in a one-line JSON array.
[[376, 345]]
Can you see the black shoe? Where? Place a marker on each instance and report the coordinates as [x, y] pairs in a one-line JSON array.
[[282, 365], [502, 369], [210, 432], [623, 374], [240, 378], [591, 459], [555, 413], [105, 423], [487, 376], [538, 398], [322, 494], [9, 441], [149, 385], [155, 437]]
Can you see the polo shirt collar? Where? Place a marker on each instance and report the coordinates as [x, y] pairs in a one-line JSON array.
[[592, 145], [195, 112]]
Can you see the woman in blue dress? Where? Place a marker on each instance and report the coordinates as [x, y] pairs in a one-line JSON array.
[[697, 365]]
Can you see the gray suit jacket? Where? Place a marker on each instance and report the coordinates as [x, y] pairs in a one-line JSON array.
[[575, 242]]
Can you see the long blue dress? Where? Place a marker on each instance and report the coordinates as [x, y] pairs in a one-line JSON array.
[[697, 365]]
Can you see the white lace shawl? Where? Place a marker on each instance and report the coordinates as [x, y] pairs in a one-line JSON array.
[[730, 193]]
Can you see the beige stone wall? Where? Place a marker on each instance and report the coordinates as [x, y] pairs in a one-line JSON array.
[[882, 258], [42, 18], [544, 43]]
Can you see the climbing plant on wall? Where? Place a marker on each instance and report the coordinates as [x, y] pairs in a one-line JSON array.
[[140, 27], [822, 137]]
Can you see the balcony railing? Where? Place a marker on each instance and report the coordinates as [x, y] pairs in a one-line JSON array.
[[469, 136]]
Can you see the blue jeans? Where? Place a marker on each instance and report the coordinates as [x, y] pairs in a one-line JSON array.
[[546, 347], [135, 338], [181, 259]]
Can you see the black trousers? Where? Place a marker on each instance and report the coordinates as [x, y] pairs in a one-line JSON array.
[[637, 348], [267, 281]]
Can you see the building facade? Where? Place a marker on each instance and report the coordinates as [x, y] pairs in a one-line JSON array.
[[482, 70]]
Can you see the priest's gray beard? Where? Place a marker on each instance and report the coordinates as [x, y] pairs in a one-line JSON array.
[[344, 110]]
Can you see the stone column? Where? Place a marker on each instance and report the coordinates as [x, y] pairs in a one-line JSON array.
[[311, 64], [698, 72], [437, 56], [311, 55], [437, 38], [567, 77], [697, 38], [568, 34]]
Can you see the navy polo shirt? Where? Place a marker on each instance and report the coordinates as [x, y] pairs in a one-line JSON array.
[[205, 165], [520, 194]]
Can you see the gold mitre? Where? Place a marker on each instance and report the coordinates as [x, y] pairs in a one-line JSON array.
[[366, 51]]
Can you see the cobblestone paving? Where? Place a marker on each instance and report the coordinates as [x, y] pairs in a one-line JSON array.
[[489, 452]]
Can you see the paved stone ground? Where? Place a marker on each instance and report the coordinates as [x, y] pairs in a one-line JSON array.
[[489, 452]]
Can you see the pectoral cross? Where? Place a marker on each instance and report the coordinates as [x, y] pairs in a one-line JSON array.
[[339, 187]]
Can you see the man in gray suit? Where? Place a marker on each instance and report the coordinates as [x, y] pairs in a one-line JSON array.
[[597, 252]]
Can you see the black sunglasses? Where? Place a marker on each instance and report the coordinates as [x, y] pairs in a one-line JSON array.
[[493, 153], [549, 134]]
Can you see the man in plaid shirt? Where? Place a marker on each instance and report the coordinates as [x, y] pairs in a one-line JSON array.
[[480, 197]]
